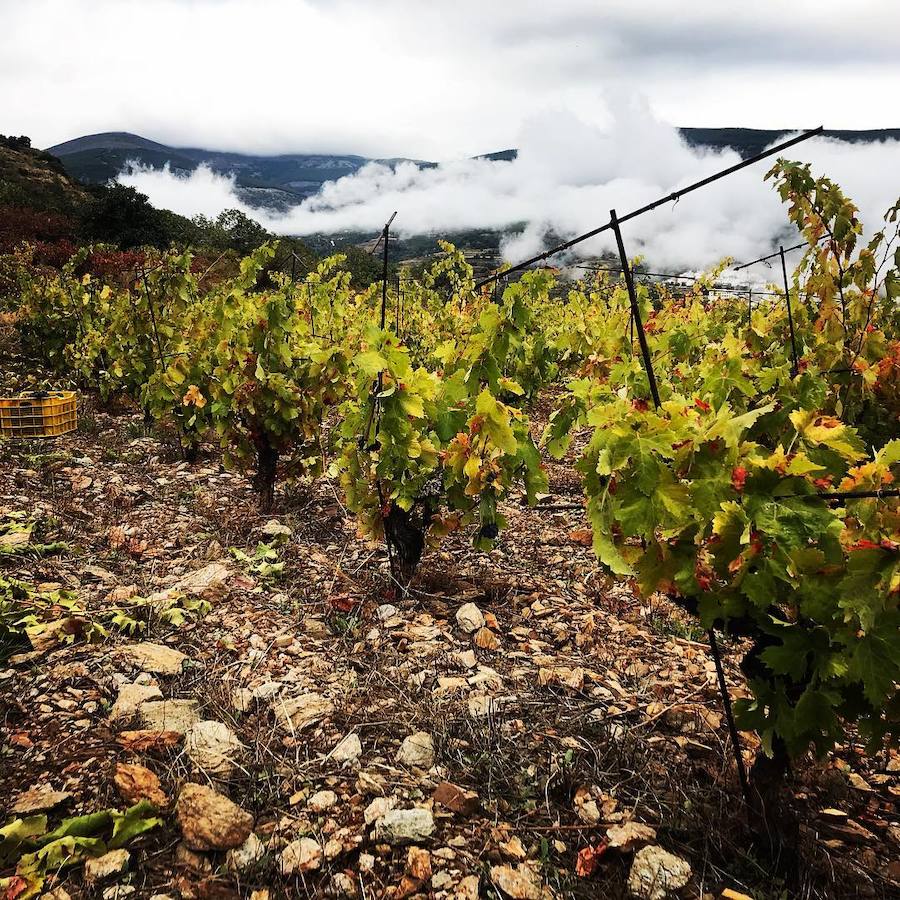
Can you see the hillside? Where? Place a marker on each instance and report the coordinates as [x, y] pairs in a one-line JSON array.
[[35, 179]]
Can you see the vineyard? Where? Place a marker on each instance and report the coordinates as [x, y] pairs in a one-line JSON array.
[[456, 589]]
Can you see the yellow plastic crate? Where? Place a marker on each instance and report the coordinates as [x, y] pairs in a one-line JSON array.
[[36, 415]]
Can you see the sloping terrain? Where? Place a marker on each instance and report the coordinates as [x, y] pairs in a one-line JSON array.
[[514, 726]]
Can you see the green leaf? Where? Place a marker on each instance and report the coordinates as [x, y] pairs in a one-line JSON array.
[[370, 363], [134, 821]]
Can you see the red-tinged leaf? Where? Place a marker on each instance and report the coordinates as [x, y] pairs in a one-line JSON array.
[[588, 859], [15, 888], [738, 478], [342, 602]]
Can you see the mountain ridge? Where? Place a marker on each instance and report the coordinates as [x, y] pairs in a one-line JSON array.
[[279, 181]]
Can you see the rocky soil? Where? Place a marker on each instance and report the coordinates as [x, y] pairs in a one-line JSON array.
[[513, 726]]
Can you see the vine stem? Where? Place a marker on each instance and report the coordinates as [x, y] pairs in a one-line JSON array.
[[729, 717]]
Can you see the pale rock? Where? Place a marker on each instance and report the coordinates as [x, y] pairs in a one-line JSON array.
[[119, 892], [267, 690], [277, 531], [441, 880], [514, 849], [209, 820], [629, 836], [240, 859], [588, 812], [343, 885], [302, 855], [297, 713], [37, 799], [242, 699], [468, 888], [405, 826], [169, 715], [212, 747], [466, 659], [130, 698], [366, 862], [417, 750], [656, 874], [154, 658], [321, 800], [520, 883], [333, 849], [348, 749], [106, 867], [377, 808], [208, 583], [469, 618]]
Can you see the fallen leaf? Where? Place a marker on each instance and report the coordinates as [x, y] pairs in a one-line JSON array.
[[588, 859]]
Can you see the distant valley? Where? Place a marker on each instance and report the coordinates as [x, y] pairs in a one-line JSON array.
[[279, 182]]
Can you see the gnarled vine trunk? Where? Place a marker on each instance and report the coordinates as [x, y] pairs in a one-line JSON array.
[[266, 472]]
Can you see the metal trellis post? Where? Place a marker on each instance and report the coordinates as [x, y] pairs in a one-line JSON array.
[[787, 298], [635, 310]]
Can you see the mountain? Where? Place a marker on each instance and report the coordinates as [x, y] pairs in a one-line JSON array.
[[278, 182], [750, 141], [272, 181]]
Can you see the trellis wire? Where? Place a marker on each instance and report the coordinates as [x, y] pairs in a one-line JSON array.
[[675, 195]]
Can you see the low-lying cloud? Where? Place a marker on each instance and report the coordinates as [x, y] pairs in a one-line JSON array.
[[568, 175]]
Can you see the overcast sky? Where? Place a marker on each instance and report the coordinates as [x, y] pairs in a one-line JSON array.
[[434, 80]]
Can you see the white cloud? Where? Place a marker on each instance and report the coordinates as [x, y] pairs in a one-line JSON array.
[[569, 174], [434, 81]]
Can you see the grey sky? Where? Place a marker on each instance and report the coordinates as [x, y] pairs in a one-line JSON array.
[[433, 80]]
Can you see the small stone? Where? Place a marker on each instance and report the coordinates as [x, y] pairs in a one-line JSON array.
[[277, 531], [377, 808], [154, 658], [417, 750], [208, 583], [441, 880], [321, 800], [455, 798], [486, 639], [366, 862], [209, 820], [130, 698], [520, 883], [656, 873], [297, 713], [348, 749], [469, 618], [185, 858], [240, 859], [629, 836], [39, 798], [106, 867], [405, 826], [242, 699], [302, 855], [212, 747], [343, 885], [387, 611], [135, 782], [514, 849], [468, 888], [588, 812]]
